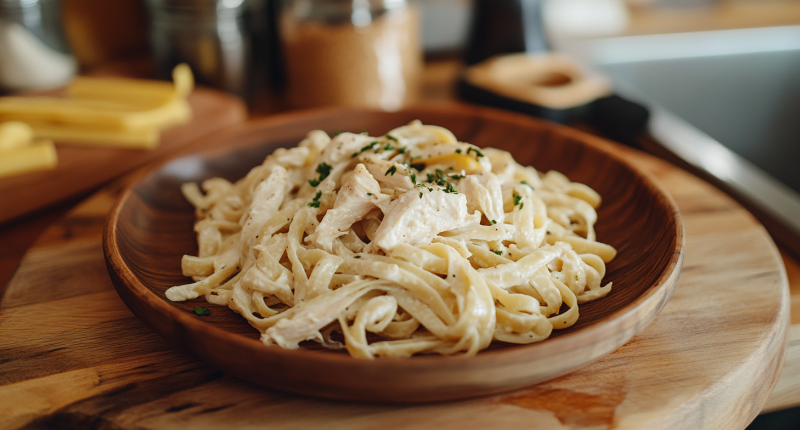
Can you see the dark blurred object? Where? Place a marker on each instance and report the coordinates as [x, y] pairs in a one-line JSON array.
[[103, 31], [505, 26], [226, 42], [555, 87], [619, 119], [34, 53]]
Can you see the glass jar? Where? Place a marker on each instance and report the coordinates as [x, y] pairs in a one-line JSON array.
[[215, 37], [34, 53], [351, 53]]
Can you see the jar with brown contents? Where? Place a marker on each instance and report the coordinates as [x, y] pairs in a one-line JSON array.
[[351, 53]]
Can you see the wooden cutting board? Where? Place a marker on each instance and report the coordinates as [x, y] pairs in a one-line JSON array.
[[73, 356], [82, 169]]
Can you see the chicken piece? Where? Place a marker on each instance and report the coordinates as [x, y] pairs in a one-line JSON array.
[[484, 193], [390, 175], [414, 219], [359, 194], [342, 147], [267, 199]]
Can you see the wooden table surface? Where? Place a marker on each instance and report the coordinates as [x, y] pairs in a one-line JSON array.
[[71, 354], [80, 233]]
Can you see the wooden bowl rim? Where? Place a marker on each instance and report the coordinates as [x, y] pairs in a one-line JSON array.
[[517, 353]]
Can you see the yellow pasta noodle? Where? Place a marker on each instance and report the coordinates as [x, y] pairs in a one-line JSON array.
[[402, 244]]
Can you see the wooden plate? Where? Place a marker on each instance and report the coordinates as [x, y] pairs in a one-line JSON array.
[[150, 228]]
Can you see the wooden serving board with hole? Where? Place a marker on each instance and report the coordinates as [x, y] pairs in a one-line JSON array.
[[73, 356], [81, 169]]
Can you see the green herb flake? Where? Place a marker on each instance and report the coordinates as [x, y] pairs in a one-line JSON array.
[[336, 133], [526, 183], [401, 150], [492, 222], [390, 137], [431, 178], [316, 197], [521, 205], [498, 252], [420, 194], [324, 169], [201, 311], [388, 147], [418, 166], [449, 188], [313, 204], [478, 154], [458, 151], [577, 277], [363, 130], [517, 198], [369, 194], [392, 170], [356, 256], [414, 178]]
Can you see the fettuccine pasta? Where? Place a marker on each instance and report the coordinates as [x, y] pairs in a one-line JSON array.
[[408, 243]]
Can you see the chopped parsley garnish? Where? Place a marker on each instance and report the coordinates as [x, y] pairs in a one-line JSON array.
[[401, 150], [521, 205], [392, 170], [369, 194], [478, 154], [336, 133], [388, 147], [390, 137], [492, 222], [418, 166], [201, 311], [420, 194], [413, 178], [526, 183], [517, 198], [324, 169], [313, 204], [458, 151], [366, 148], [456, 176], [431, 178], [498, 252], [577, 277], [440, 182], [449, 188], [356, 256]]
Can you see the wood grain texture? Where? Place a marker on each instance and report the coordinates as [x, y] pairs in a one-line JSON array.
[[82, 169], [72, 355], [151, 228]]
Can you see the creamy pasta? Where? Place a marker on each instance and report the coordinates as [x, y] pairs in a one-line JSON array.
[[408, 243]]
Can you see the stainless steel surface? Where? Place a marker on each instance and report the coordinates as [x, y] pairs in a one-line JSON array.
[[726, 102], [215, 37]]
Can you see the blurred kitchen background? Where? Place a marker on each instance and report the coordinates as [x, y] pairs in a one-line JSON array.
[[711, 85]]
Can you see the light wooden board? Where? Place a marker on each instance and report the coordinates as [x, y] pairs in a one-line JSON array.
[[72, 354], [83, 168]]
